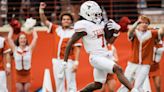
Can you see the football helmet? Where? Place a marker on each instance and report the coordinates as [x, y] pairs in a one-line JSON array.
[[91, 11]]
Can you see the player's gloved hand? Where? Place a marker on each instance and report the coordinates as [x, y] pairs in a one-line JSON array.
[[113, 25]]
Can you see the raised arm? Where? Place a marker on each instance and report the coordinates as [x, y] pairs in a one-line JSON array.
[[132, 29], [134, 26], [42, 15], [34, 40], [75, 37], [10, 40]]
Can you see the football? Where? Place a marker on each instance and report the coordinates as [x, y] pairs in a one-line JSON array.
[[108, 33]]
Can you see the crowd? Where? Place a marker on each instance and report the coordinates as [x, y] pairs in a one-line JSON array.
[[22, 9]]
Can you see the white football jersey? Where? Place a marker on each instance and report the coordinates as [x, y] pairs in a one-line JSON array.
[[94, 42]]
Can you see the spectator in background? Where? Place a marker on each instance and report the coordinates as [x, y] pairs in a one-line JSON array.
[[75, 5], [155, 69], [35, 4], [13, 9], [4, 64], [143, 41], [62, 34], [22, 52], [27, 10], [125, 8], [124, 22], [116, 9], [154, 3], [3, 12]]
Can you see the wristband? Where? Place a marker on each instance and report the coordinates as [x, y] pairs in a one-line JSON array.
[[136, 24], [76, 62], [8, 65], [41, 10]]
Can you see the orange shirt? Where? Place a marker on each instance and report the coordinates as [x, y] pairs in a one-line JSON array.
[[142, 47], [3, 49], [61, 39]]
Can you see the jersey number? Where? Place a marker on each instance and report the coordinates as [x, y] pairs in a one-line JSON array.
[[102, 37]]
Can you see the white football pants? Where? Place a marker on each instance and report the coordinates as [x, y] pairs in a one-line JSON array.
[[3, 82], [67, 74], [137, 72]]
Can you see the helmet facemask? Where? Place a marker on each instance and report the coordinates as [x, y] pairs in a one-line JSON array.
[[97, 18]]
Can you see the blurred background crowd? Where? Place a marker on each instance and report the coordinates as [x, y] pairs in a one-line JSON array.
[[115, 9]]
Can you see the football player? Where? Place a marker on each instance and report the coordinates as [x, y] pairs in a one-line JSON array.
[[91, 29]]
